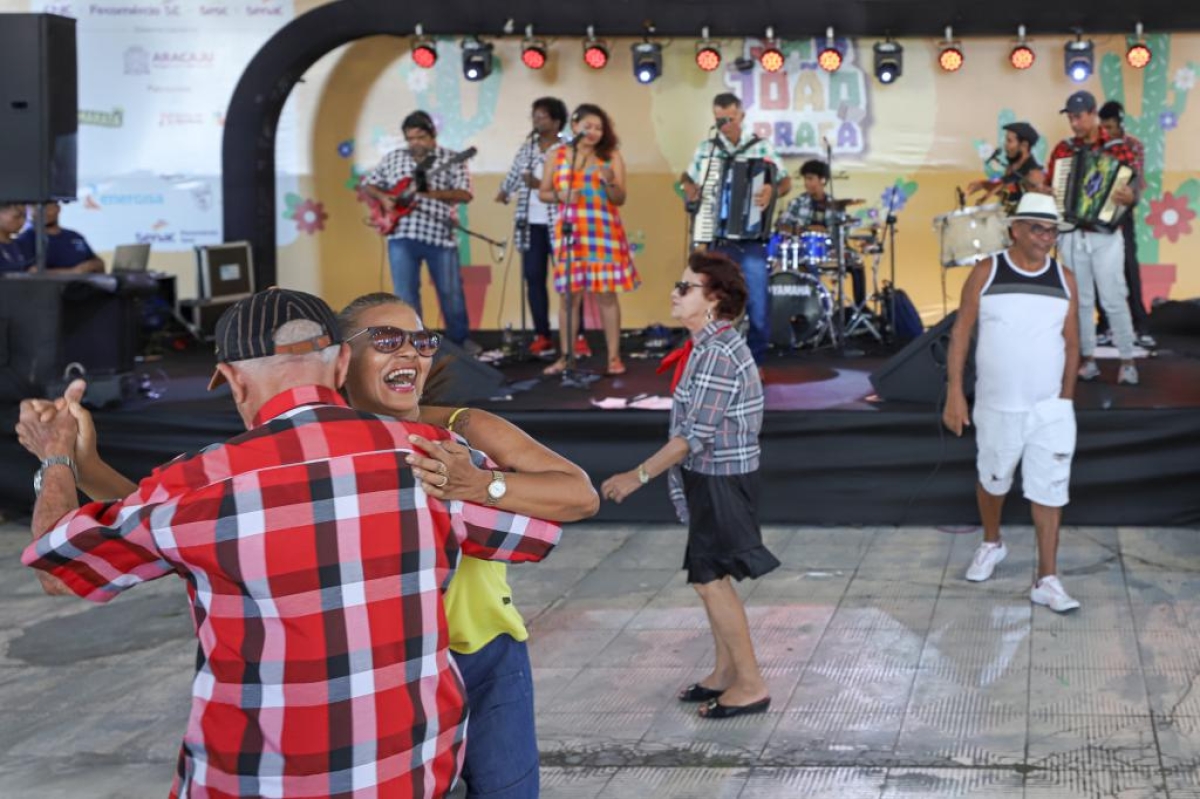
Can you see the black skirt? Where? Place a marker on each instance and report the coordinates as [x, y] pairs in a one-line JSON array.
[[724, 539]]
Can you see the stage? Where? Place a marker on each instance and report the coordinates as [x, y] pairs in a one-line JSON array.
[[832, 452]]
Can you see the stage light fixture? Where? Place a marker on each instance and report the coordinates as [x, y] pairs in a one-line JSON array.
[[1079, 58], [476, 59], [708, 52], [1139, 54], [1022, 56], [647, 61], [950, 54], [771, 58], [533, 51], [830, 58], [595, 51], [889, 61], [424, 51]]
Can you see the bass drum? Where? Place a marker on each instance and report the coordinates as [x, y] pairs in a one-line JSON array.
[[801, 309]]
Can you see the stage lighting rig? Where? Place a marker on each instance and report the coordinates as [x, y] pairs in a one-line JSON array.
[[1079, 58], [1022, 55], [950, 54], [889, 61], [708, 52], [595, 51], [647, 61], [771, 58], [533, 51], [424, 51], [1139, 53], [830, 58], [477, 59]]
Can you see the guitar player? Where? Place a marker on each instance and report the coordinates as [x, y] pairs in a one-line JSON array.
[[426, 231]]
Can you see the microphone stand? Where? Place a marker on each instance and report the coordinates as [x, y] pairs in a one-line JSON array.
[[839, 318], [890, 236], [572, 376]]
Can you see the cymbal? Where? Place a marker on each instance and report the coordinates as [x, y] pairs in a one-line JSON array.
[[862, 237], [845, 203]]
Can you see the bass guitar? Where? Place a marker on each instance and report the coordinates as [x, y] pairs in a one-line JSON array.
[[404, 194]]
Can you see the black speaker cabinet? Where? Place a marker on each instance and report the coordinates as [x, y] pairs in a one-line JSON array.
[[39, 107], [917, 373], [457, 377]]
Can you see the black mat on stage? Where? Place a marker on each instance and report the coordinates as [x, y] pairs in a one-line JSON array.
[[831, 453]]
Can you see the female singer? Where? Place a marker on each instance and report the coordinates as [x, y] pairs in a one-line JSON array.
[[587, 181]]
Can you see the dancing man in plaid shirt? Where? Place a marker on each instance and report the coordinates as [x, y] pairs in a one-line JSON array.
[[314, 564], [427, 232]]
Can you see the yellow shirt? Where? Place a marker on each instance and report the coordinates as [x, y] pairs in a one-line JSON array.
[[479, 606]]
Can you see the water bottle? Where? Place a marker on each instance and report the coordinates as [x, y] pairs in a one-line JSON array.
[[507, 340]]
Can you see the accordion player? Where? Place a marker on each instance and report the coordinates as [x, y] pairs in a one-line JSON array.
[[1084, 184]]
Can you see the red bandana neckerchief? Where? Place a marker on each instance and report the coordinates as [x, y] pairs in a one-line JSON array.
[[679, 358]]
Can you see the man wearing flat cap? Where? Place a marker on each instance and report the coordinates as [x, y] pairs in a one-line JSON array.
[[1022, 172], [313, 560]]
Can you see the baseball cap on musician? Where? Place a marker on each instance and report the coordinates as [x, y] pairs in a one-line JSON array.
[[1080, 102], [247, 329]]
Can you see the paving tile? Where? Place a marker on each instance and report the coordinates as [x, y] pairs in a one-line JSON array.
[[975, 783], [814, 783]]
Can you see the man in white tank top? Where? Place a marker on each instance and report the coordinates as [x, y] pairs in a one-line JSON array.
[[1026, 362]]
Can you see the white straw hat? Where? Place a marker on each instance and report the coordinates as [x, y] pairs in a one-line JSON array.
[[1037, 207]]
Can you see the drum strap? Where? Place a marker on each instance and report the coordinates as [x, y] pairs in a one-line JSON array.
[[678, 358]]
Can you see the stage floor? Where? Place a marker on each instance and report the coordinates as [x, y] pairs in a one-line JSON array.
[[833, 453]]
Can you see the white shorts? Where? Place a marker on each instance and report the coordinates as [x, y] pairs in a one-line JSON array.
[[1041, 439]]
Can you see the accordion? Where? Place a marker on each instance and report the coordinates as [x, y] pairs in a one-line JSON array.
[[1084, 183], [727, 210]]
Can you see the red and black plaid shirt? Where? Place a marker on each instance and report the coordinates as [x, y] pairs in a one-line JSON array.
[[315, 567], [1118, 148]]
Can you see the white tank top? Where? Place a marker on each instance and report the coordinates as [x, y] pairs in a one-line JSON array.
[[1020, 352]]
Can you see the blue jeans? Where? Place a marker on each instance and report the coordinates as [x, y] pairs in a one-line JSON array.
[[502, 753], [406, 256], [752, 257], [534, 262]]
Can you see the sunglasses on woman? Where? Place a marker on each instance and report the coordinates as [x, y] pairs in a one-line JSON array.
[[683, 287], [387, 339]]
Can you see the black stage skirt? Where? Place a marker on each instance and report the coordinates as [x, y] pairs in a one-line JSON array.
[[724, 539]]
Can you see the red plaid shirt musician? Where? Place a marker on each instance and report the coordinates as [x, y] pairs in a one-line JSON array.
[[1119, 149], [315, 567]]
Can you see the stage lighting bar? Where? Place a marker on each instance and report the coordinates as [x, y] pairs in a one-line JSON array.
[[708, 52], [950, 54], [477, 59], [1022, 55], [889, 61], [647, 61], [533, 51], [1139, 54], [1079, 59], [771, 59], [424, 51], [830, 58], [595, 51]]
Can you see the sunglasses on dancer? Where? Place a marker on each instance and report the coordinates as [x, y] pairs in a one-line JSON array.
[[683, 287], [1042, 230], [387, 339]]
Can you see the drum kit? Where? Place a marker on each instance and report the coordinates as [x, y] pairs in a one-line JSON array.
[[807, 282]]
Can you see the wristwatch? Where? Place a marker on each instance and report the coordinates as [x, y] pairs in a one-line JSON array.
[[496, 489], [53, 460]]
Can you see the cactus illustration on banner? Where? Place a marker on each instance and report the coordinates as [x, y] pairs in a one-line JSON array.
[[440, 92], [1164, 99]]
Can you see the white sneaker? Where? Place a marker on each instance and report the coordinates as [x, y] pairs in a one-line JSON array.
[[1049, 591], [1127, 375], [1146, 340], [987, 557], [1089, 371]]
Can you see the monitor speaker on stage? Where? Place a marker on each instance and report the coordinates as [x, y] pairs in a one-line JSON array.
[[39, 107], [458, 377], [917, 373]]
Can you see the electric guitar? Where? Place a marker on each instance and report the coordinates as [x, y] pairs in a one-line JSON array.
[[404, 193]]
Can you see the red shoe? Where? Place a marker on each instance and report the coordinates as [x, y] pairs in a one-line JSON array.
[[582, 350], [542, 345]]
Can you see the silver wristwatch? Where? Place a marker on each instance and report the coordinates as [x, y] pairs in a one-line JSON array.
[[53, 460], [496, 489]]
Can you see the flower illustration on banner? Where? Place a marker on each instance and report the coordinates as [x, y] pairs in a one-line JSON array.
[[308, 214], [346, 149], [983, 148], [1170, 217], [895, 197], [1168, 120], [1185, 79]]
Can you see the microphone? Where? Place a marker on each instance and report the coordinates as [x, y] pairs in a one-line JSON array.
[[995, 156], [574, 140], [532, 134], [962, 198]]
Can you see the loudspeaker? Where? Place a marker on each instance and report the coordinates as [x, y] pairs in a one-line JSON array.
[[917, 373], [39, 107], [457, 377]]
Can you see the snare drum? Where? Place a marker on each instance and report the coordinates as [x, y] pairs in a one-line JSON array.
[[801, 309], [971, 234], [816, 248]]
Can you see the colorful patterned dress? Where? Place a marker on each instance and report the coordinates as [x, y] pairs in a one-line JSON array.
[[600, 259]]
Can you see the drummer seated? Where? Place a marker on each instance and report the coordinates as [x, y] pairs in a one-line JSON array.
[[814, 211]]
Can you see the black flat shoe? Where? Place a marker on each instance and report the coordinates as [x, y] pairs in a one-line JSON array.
[[698, 693], [715, 710]]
